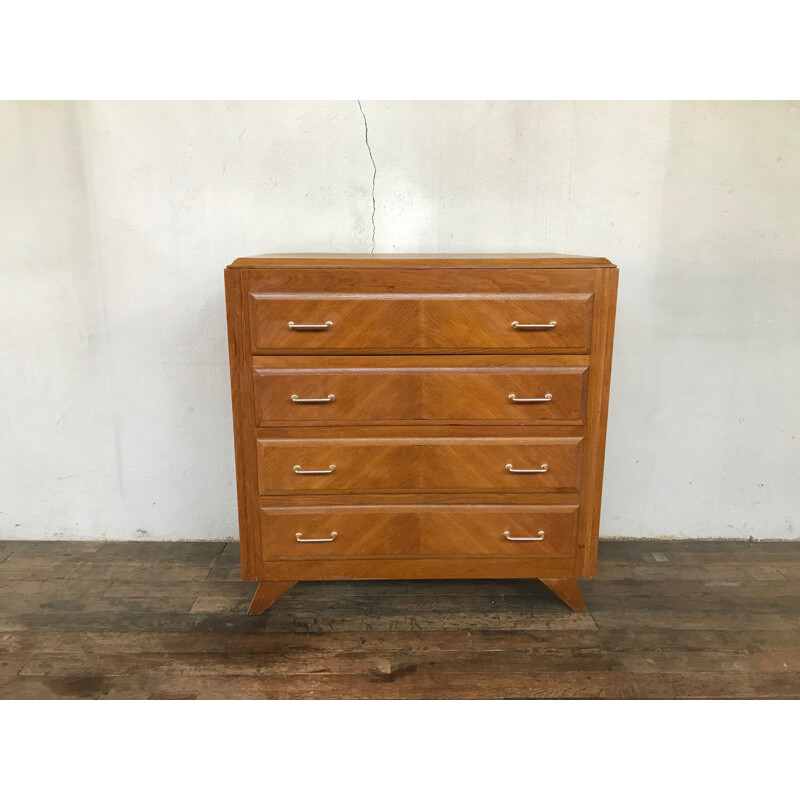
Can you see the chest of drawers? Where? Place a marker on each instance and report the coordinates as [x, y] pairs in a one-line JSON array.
[[419, 416]]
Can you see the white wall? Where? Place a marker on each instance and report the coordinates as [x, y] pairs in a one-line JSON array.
[[118, 218]]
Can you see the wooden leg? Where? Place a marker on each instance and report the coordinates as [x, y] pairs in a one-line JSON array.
[[267, 593], [567, 589]]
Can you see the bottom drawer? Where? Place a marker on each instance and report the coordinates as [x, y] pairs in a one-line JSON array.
[[410, 530]]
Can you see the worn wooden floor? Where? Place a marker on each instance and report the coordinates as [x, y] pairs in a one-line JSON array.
[[168, 620]]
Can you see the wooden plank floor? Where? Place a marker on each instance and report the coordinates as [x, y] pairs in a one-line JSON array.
[[168, 620]]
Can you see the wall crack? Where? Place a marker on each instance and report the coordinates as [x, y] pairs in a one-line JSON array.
[[374, 171]]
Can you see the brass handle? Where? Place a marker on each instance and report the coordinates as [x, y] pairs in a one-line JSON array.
[[293, 326], [300, 471], [509, 468], [329, 399], [542, 326], [299, 537], [546, 399], [511, 538]]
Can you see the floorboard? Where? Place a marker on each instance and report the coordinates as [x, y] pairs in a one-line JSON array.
[[167, 620]]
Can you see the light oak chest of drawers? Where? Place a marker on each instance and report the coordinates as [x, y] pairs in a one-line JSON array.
[[419, 416]]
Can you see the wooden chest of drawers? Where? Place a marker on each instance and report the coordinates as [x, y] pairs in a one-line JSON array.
[[419, 416]]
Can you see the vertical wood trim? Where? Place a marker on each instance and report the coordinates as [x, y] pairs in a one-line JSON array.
[[249, 398], [599, 383], [243, 423]]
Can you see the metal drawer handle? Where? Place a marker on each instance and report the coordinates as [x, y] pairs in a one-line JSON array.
[[509, 468], [329, 399], [299, 537], [300, 471], [543, 326], [546, 399], [294, 326], [511, 538]]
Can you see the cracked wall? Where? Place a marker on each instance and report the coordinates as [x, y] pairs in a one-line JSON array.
[[374, 172]]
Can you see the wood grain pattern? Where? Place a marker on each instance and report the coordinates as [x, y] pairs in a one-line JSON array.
[[377, 323], [492, 497], [243, 424], [420, 430], [668, 619], [421, 260], [409, 464], [426, 391], [417, 568], [411, 530], [266, 594], [568, 590], [345, 281], [602, 346]]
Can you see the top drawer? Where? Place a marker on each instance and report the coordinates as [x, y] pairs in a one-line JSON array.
[[432, 313]]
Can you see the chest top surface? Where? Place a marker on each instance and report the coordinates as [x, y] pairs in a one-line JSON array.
[[421, 260]]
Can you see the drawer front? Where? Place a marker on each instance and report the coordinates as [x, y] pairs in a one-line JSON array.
[[455, 323], [508, 530], [512, 395], [299, 466], [402, 531]]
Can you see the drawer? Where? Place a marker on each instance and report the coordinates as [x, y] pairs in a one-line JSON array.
[[315, 394], [372, 323], [408, 530], [298, 466]]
